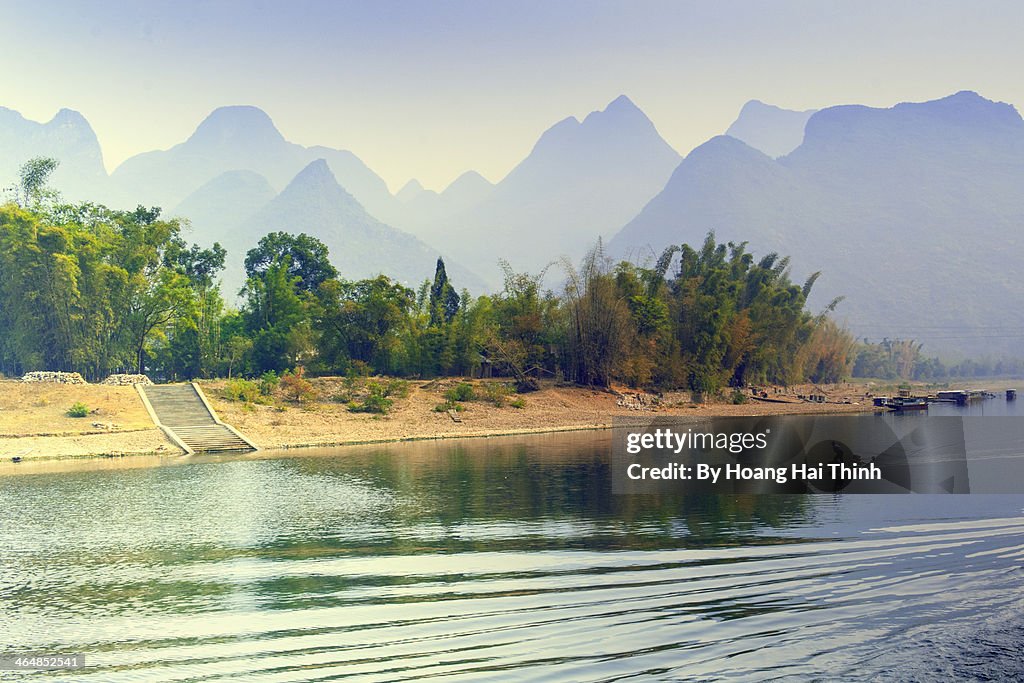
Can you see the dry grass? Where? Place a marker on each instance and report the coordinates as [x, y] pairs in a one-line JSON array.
[[30, 409]]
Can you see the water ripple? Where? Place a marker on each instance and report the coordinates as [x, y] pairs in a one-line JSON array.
[[360, 578]]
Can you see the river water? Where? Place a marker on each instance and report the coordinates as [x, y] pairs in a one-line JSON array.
[[494, 559]]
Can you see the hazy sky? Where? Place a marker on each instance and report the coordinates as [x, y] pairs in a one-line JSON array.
[[431, 89]]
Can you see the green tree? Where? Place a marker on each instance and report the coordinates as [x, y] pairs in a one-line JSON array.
[[308, 259], [186, 358], [33, 176], [89, 289], [444, 302], [529, 328], [201, 267], [237, 348], [365, 321], [273, 309]]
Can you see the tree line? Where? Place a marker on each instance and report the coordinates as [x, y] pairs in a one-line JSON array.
[[95, 290], [904, 359]]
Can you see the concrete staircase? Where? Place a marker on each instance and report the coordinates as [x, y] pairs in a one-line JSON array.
[[182, 412]]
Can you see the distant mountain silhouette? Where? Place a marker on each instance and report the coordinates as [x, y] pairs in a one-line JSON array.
[[67, 137], [468, 189], [217, 210], [913, 212], [229, 139], [428, 214], [583, 179], [770, 129], [360, 245], [409, 191]]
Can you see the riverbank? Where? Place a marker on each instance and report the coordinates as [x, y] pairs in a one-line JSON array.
[[414, 417], [34, 423]]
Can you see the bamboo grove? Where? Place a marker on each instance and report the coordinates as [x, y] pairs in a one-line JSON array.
[[89, 289]]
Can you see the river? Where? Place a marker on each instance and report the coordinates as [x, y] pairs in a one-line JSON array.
[[494, 559]]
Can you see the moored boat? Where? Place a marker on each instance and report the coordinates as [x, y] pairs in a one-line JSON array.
[[903, 403]]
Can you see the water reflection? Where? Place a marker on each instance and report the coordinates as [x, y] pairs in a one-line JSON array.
[[491, 559]]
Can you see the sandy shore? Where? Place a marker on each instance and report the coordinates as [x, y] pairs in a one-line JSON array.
[[139, 442], [34, 424]]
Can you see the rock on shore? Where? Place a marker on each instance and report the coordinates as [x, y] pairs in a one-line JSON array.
[[127, 380], [53, 377]]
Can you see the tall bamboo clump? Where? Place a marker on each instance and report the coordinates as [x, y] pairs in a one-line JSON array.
[[599, 316]]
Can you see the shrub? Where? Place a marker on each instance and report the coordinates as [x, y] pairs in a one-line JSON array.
[[268, 382], [496, 393], [359, 369], [241, 390], [349, 389], [296, 386], [353, 389], [376, 401], [460, 392], [78, 409], [518, 402], [399, 388], [448, 405], [738, 397]]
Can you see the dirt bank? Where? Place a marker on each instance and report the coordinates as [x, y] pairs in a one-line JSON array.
[[34, 421], [34, 424], [554, 408]]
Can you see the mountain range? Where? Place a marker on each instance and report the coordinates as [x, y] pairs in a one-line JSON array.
[[581, 181], [68, 137], [770, 129], [359, 245], [912, 212], [230, 139], [426, 212], [235, 179]]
